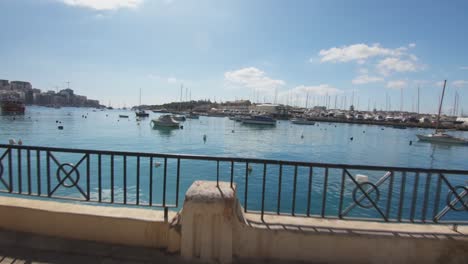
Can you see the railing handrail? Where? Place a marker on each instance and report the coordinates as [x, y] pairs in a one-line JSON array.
[[235, 159]]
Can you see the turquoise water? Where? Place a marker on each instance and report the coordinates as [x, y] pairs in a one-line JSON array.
[[324, 142]]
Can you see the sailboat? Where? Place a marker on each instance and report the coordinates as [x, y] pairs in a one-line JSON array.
[[140, 112], [438, 136]]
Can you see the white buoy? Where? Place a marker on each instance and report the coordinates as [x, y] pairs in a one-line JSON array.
[[360, 178], [157, 164], [20, 142], [12, 141]]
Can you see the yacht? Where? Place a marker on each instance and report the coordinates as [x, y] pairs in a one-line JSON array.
[[438, 136], [164, 121], [442, 138], [259, 120]]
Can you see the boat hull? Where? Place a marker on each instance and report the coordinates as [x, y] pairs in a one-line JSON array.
[[258, 122], [157, 124], [13, 107], [446, 140], [303, 122]]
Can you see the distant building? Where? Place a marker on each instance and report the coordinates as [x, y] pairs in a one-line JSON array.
[[4, 85], [20, 86], [66, 97], [266, 108]]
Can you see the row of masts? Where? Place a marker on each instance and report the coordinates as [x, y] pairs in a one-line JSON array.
[[344, 102]]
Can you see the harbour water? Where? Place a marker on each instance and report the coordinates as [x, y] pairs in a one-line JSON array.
[[324, 142]]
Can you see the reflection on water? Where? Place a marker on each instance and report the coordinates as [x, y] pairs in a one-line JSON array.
[[165, 131]]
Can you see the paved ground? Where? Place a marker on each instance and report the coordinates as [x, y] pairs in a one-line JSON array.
[[18, 247]]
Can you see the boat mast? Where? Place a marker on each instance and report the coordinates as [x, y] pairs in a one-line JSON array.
[[440, 106]]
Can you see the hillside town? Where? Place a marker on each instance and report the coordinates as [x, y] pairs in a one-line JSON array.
[[24, 91]]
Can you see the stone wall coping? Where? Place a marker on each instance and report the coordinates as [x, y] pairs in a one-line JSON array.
[[337, 226], [87, 209]]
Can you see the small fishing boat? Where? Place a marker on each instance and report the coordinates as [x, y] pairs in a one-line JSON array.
[[141, 113], [302, 121], [123, 116], [165, 121], [259, 120]]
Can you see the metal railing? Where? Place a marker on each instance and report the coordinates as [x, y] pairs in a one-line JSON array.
[[337, 191]]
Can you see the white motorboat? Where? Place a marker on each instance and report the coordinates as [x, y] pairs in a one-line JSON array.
[[179, 118], [438, 136], [164, 121], [259, 120], [442, 138], [302, 121]]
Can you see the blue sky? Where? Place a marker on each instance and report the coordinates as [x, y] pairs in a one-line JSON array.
[[109, 49]]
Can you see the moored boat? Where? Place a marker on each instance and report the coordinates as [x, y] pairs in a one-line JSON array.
[[302, 121], [10, 105], [179, 118], [438, 136], [165, 121], [141, 113], [193, 116], [123, 116], [442, 138], [259, 120]]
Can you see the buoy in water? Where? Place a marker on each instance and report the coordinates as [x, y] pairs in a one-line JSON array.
[[411, 142], [204, 137], [351, 138], [181, 127], [302, 136], [20, 142], [157, 164], [232, 131], [249, 168], [56, 121], [363, 131], [60, 127]]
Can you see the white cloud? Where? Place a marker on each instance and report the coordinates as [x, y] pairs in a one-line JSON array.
[[252, 77], [364, 78], [412, 45], [464, 68], [103, 4], [389, 65], [172, 80], [322, 89], [357, 52], [399, 84], [460, 83]]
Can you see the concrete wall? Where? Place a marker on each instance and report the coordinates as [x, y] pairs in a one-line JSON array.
[[117, 225], [336, 241]]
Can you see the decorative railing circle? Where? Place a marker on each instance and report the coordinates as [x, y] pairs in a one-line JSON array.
[[68, 175], [461, 198], [369, 193]]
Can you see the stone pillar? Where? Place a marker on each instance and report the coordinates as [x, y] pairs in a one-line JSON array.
[[207, 221]]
